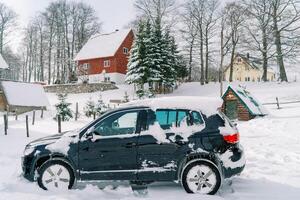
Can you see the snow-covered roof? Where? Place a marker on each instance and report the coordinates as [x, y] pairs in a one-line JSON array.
[[253, 105], [102, 45], [3, 64], [24, 94], [207, 105]]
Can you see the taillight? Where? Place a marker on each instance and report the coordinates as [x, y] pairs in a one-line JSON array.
[[232, 139]]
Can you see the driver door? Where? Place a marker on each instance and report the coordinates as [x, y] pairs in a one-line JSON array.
[[110, 152]]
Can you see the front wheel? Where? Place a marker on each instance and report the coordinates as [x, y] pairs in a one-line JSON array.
[[201, 177], [55, 175]]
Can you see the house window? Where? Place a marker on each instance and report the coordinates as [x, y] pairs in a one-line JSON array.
[[86, 66], [125, 50], [239, 60], [106, 63], [106, 79]]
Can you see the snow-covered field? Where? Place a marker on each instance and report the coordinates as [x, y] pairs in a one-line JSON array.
[[272, 147]]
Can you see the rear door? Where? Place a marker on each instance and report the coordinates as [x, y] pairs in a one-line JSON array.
[[158, 152]]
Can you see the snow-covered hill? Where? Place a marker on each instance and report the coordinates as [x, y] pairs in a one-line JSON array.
[[271, 146]]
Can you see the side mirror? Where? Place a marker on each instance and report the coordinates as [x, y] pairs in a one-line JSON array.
[[90, 133]]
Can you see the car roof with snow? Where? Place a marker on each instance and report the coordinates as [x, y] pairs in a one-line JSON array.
[[207, 105]]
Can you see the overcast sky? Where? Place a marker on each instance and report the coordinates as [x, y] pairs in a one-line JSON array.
[[114, 14]]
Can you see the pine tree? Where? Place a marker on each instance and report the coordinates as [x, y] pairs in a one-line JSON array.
[[90, 109], [136, 64], [100, 106], [169, 53], [63, 108], [154, 58]]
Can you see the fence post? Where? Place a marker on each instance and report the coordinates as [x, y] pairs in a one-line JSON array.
[[5, 124], [59, 123], [42, 113], [27, 126], [76, 112], [33, 117], [16, 114], [277, 102]]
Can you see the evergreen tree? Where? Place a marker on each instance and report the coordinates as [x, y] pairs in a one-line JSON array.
[[100, 106], [136, 64], [90, 109], [169, 53], [154, 59], [63, 108]]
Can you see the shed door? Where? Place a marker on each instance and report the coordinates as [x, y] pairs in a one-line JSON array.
[[231, 109]]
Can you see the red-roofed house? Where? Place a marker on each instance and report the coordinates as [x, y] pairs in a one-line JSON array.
[[105, 56]]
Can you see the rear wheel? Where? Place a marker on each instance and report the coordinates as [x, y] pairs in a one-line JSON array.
[[201, 177], [55, 175]]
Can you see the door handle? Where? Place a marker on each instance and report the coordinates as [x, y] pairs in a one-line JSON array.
[[86, 149], [130, 145]]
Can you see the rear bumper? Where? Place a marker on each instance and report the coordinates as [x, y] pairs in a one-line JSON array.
[[233, 161]]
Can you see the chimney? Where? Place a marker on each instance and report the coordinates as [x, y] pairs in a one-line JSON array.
[[248, 56]]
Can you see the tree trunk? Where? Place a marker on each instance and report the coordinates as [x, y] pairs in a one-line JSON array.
[[232, 57], [265, 56], [279, 56], [206, 56], [201, 58], [191, 59]]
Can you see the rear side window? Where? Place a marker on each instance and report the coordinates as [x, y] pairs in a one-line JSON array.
[[166, 118], [169, 118], [197, 118]]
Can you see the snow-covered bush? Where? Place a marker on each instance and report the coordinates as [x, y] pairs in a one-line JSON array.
[[100, 106], [90, 108], [63, 108]]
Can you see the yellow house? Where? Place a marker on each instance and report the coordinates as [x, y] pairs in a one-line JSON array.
[[246, 68]]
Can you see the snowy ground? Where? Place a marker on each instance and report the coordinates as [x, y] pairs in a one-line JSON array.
[[271, 146]]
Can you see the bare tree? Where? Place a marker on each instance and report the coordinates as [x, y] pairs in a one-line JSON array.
[[155, 9], [210, 20], [7, 22], [189, 33], [285, 15], [53, 38], [234, 17], [224, 48], [259, 29]]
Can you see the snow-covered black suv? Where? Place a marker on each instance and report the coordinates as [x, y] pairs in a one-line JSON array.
[[165, 139]]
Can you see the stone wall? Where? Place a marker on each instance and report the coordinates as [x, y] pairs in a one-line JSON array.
[[79, 88]]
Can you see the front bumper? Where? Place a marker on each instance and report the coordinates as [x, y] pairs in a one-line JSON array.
[[233, 161], [27, 167]]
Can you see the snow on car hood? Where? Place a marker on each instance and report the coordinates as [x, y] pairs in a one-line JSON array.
[[57, 143]]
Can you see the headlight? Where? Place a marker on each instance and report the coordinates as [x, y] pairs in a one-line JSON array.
[[28, 150]]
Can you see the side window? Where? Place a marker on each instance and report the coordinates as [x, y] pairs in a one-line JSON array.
[[166, 118], [197, 118], [169, 118], [182, 118], [118, 124]]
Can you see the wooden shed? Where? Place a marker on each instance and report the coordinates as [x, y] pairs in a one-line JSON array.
[[19, 97], [238, 103]]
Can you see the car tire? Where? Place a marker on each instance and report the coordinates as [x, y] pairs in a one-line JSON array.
[[55, 175], [201, 177]]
